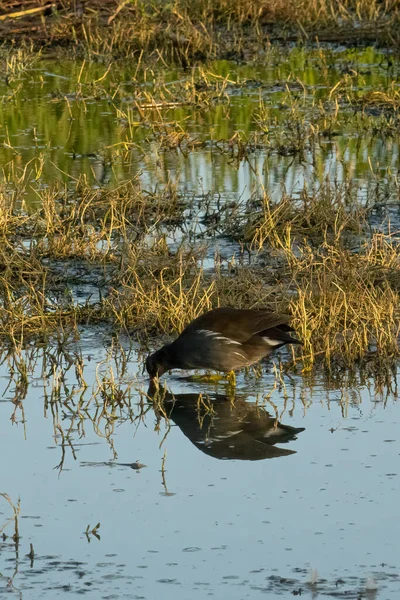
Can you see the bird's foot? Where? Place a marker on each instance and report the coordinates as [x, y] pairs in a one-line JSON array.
[[208, 378]]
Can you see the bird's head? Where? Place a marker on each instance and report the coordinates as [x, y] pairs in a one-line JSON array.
[[157, 363]]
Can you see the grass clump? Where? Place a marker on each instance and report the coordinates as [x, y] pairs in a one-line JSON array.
[[326, 212], [347, 304], [164, 298], [338, 278]]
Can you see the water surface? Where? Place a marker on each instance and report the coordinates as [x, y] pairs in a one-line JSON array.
[[196, 520]]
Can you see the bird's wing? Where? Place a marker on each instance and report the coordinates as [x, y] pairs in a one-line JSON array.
[[239, 325]]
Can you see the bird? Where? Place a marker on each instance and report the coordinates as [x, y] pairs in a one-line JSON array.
[[223, 339]]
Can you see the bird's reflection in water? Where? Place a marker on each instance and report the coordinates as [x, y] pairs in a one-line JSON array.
[[229, 430]]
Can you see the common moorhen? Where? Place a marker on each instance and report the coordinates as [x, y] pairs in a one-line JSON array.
[[223, 339]]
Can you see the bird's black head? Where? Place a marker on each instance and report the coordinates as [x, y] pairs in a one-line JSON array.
[[157, 363]]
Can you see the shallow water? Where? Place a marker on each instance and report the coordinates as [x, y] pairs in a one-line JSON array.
[[65, 114], [315, 511]]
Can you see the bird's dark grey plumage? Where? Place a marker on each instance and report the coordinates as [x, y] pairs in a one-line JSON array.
[[223, 339]]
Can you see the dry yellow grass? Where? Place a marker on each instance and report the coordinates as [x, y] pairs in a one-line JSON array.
[[347, 304], [183, 29], [344, 297]]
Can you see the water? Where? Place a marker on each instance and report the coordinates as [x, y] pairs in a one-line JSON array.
[[61, 121], [319, 504]]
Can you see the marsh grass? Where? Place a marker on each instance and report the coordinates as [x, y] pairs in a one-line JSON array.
[[340, 280], [147, 251], [327, 211], [307, 257], [291, 119], [16, 507], [184, 30], [164, 299], [347, 304]]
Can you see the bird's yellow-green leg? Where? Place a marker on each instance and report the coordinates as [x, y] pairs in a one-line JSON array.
[[208, 377], [231, 377]]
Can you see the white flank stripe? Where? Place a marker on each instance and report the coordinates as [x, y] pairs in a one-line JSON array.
[[217, 336], [272, 342], [206, 332], [241, 355]]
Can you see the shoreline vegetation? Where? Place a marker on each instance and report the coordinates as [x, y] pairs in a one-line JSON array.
[[344, 299], [183, 30], [318, 255]]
